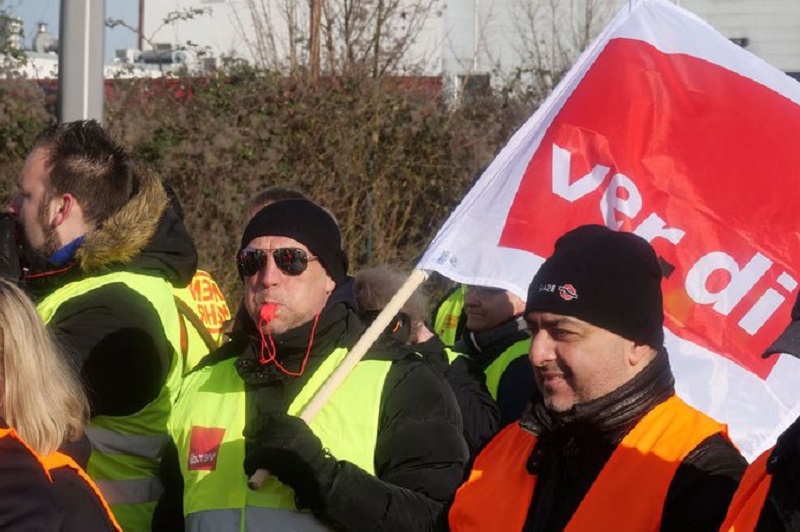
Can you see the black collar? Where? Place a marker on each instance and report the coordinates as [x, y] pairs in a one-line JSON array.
[[612, 416]]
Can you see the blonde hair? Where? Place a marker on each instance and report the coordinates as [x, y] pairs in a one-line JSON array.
[[42, 396]]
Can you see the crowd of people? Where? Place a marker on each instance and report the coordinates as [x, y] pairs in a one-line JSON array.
[[125, 407]]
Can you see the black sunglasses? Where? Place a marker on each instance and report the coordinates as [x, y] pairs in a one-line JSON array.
[[291, 261]]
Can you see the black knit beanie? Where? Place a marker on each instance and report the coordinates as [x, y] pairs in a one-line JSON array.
[[309, 224], [607, 278]]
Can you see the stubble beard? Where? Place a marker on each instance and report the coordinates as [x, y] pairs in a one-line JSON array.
[[558, 404], [36, 256], [555, 406], [284, 320], [51, 242]]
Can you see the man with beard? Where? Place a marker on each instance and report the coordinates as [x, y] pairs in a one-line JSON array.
[[104, 254], [609, 446], [386, 451]]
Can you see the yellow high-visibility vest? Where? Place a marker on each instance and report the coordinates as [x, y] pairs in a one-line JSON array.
[[127, 450], [207, 424]]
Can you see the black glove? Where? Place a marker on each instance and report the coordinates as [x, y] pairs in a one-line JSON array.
[[10, 254], [286, 447]]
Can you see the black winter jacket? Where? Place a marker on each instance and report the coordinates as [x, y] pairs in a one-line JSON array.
[[112, 333], [575, 446], [28, 500], [517, 386], [479, 411], [31, 501], [781, 511], [420, 453], [84, 510]]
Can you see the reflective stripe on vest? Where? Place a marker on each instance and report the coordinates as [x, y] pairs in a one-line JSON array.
[[207, 424], [56, 460], [132, 459], [255, 519], [134, 491], [445, 324], [748, 501], [108, 442], [494, 372], [499, 490]]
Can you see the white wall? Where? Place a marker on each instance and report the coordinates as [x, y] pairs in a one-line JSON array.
[[229, 28], [219, 30], [449, 41], [772, 26]]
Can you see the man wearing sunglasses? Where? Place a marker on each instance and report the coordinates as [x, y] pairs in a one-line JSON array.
[[496, 338], [385, 453]]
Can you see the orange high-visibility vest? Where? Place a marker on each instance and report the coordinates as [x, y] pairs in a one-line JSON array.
[[11, 433], [749, 499], [499, 490], [56, 460]]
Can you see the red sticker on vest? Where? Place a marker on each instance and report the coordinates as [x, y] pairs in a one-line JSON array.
[[204, 448]]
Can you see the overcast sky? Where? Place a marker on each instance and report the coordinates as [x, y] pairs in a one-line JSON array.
[[34, 11]]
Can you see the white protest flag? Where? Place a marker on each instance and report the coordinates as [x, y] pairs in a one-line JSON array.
[[665, 128]]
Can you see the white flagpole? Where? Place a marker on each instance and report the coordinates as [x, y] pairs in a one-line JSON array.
[[355, 355]]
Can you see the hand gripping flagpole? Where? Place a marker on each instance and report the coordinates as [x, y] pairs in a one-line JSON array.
[[352, 358]]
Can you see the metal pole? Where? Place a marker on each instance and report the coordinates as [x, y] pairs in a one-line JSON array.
[[476, 28], [140, 37], [80, 60]]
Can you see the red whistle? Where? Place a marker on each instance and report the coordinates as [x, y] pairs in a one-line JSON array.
[[268, 311]]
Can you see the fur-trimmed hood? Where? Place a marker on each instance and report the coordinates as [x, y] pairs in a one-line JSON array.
[[143, 236], [124, 234]]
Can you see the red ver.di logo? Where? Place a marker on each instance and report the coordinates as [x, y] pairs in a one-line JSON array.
[[204, 448]]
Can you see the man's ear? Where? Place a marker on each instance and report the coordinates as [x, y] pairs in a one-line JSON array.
[[63, 207], [640, 353], [517, 304], [330, 284]]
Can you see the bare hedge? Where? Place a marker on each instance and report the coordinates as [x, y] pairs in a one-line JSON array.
[[387, 157]]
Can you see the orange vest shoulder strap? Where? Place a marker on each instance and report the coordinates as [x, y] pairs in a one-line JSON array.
[[499, 489], [748, 501], [641, 469], [56, 460]]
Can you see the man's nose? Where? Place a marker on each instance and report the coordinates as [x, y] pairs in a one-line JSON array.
[[270, 274], [541, 350]]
